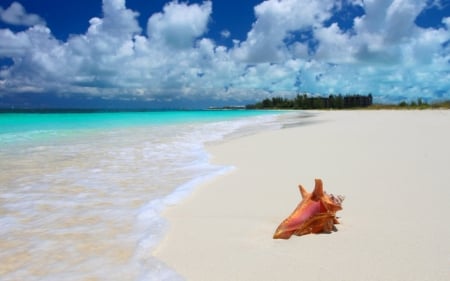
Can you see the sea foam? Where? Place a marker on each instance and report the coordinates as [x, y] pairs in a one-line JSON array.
[[86, 203]]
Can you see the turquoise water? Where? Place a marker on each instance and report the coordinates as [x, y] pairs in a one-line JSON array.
[[17, 127], [13, 122], [81, 194]]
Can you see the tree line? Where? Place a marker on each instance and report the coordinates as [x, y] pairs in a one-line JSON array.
[[305, 101]]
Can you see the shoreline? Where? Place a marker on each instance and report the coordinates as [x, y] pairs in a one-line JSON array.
[[392, 166]]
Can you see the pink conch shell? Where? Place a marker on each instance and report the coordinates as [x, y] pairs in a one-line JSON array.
[[316, 213]]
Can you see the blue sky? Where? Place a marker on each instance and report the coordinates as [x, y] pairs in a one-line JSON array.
[[151, 53]]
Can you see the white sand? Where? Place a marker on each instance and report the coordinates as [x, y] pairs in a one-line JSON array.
[[392, 166]]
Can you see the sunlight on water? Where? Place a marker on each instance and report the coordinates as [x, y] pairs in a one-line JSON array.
[[84, 204]]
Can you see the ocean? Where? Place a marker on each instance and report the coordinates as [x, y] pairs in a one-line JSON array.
[[81, 194]]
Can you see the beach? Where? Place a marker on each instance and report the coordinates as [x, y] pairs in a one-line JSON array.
[[391, 166]]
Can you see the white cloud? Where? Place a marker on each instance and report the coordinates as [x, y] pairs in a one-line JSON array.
[[441, 4], [225, 33], [13, 45], [179, 24], [288, 49], [274, 20], [335, 46], [394, 20], [16, 15]]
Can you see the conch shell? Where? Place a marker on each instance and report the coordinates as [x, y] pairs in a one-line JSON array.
[[316, 213]]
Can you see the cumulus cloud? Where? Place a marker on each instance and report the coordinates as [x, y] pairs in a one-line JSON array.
[[275, 19], [293, 46], [179, 24], [16, 15]]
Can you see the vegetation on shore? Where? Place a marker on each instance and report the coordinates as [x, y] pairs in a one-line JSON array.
[[305, 101], [354, 101], [419, 104]]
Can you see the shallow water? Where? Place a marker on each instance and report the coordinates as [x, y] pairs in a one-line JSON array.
[[81, 194]]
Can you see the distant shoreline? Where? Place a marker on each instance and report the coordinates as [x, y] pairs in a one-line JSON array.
[[401, 106], [341, 102], [93, 110]]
